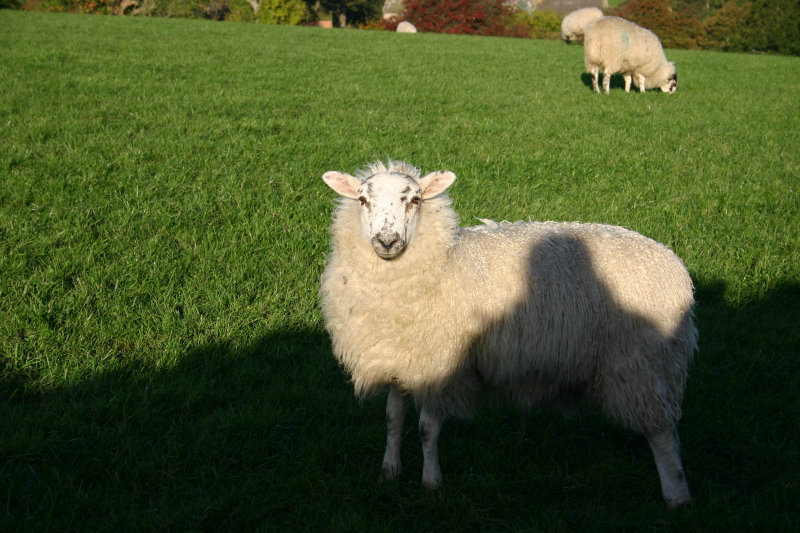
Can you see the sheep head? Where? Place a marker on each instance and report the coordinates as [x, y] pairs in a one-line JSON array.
[[390, 204], [672, 82]]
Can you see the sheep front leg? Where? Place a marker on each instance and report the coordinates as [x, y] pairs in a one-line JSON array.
[[395, 416], [666, 451], [607, 82], [430, 425], [641, 83], [627, 78]]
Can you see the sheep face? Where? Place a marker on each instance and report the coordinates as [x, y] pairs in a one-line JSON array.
[[671, 86], [667, 72], [390, 203]]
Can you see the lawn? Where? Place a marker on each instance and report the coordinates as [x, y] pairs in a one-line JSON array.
[[163, 226]]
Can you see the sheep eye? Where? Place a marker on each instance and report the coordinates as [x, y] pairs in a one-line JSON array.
[[363, 201], [412, 203]]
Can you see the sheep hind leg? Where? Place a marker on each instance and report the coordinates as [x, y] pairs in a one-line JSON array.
[[395, 416], [607, 81], [665, 446], [627, 78], [595, 75], [430, 425]]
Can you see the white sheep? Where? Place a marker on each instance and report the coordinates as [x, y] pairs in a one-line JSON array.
[[572, 25], [406, 27], [537, 312], [615, 45]]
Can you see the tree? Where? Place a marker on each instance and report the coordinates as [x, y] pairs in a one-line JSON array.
[[772, 26], [352, 11]]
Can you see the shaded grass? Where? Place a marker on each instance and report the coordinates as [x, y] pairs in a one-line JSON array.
[[163, 227]]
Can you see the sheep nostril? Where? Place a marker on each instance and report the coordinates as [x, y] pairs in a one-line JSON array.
[[387, 242]]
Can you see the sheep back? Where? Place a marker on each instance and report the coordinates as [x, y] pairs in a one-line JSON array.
[[574, 23], [538, 311]]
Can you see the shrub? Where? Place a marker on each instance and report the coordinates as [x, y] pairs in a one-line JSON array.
[[721, 31], [72, 6], [771, 26], [240, 11], [291, 12], [352, 12], [541, 24], [384, 24], [476, 17], [676, 28]]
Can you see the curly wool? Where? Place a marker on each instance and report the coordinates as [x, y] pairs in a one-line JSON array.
[[538, 311], [573, 24]]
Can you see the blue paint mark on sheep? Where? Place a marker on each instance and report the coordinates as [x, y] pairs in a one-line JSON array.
[[550, 324]]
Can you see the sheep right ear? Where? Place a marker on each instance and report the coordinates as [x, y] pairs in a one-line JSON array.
[[344, 184], [435, 183]]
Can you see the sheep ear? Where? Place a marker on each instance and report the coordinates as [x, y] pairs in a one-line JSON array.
[[344, 184], [435, 183]]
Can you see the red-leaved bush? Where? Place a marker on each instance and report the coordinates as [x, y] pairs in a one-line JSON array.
[[476, 17]]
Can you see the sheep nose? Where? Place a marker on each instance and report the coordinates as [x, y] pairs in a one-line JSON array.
[[388, 245], [387, 241]]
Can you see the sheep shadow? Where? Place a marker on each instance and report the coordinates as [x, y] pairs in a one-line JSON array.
[[211, 443], [269, 435], [617, 81], [571, 340], [752, 347]]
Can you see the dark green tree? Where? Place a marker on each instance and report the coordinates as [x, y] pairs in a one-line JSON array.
[[772, 26], [351, 12]]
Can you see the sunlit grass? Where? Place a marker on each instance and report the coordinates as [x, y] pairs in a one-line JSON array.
[[163, 226]]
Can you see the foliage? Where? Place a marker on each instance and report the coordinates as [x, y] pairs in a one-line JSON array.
[[240, 11], [541, 24], [676, 28], [476, 17], [213, 9], [352, 12], [722, 30], [291, 12], [100, 7], [385, 24], [732, 25], [772, 26]]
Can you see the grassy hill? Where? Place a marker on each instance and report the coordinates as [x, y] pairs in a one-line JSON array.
[[163, 226]]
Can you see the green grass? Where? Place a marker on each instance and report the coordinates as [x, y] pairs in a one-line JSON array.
[[163, 226]]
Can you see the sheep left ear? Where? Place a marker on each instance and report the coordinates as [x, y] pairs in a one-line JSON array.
[[344, 184], [435, 183]]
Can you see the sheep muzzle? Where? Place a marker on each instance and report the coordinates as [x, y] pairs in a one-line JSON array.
[[388, 245]]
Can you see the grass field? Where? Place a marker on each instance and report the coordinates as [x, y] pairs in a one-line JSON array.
[[163, 226]]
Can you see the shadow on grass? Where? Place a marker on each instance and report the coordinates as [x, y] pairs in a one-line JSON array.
[[175, 448], [617, 81], [270, 436]]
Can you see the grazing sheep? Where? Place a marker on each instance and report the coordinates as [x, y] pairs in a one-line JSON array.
[[613, 45], [406, 27], [536, 312], [573, 24]]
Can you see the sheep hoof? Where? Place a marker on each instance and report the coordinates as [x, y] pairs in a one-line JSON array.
[[679, 503], [389, 472], [431, 484]]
